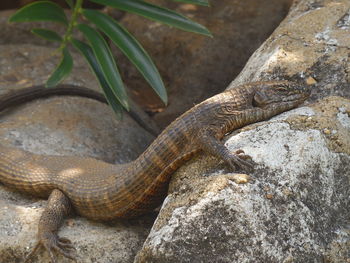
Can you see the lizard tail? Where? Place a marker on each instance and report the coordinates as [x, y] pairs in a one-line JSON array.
[[19, 96]]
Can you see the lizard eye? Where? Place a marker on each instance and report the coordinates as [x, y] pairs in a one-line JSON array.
[[228, 108]]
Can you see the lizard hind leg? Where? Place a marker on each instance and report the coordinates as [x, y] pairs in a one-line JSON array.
[[51, 219]]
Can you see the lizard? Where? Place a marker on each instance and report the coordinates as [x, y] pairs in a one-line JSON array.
[[101, 191], [18, 96]]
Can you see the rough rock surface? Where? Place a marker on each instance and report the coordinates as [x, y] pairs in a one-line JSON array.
[[64, 126], [295, 206], [292, 208], [192, 66], [312, 43], [15, 33], [95, 242], [195, 67]]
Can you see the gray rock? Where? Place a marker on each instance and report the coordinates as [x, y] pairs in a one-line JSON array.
[[15, 33], [95, 242], [51, 127], [64, 126], [195, 67], [312, 43], [294, 207]]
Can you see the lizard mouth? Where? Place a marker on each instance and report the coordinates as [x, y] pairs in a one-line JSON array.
[[296, 97], [284, 103]]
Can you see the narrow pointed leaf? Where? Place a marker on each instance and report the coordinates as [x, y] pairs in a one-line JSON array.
[[40, 11], [156, 13], [130, 47], [106, 61], [195, 2], [89, 55], [47, 34], [62, 71]]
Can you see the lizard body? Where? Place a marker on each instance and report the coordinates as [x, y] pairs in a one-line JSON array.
[[102, 191]]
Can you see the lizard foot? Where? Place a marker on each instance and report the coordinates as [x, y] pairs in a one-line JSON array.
[[239, 159], [242, 155], [52, 242]]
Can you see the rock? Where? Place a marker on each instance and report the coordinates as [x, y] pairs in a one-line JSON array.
[[311, 44], [18, 33], [24, 65], [64, 126], [14, 33], [195, 67], [76, 128], [294, 208], [70, 126], [95, 242]]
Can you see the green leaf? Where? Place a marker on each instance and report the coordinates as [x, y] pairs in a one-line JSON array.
[[106, 61], [40, 11], [195, 2], [88, 53], [63, 69], [130, 47], [156, 13], [47, 34], [70, 3]]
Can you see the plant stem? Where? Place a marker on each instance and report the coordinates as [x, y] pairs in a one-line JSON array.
[[72, 23]]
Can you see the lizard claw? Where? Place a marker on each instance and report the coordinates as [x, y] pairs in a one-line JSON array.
[[52, 242], [65, 243], [239, 151], [239, 160]]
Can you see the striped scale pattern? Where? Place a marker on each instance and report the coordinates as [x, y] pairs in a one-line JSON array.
[[103, 191]]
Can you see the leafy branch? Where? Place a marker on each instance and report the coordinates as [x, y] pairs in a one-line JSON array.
[[96, 50]]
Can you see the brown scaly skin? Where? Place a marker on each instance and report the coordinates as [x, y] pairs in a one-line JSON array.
[[18, 96], [102, 191]]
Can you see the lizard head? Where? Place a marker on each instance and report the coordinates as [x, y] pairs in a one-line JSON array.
[[280, 93]]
